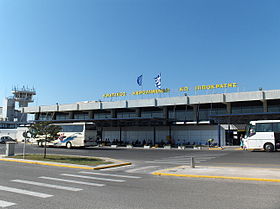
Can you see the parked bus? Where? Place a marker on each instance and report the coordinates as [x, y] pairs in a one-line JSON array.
[[263, 134], [74, 135]]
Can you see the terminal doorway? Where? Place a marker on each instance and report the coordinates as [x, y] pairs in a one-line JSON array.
[[230, 138], [233, 137]]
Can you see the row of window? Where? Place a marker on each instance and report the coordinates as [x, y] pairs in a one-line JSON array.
[[268, 127], [72, 128], [188, 114]]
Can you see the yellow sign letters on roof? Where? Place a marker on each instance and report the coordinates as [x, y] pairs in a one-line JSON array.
[[216, 86], [119, 94]]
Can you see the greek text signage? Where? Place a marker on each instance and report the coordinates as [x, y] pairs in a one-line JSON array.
[[181, 89]]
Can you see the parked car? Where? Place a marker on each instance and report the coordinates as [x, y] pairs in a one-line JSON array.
[[5, 139]]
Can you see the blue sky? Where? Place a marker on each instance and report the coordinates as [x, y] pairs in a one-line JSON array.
[[77, 50]]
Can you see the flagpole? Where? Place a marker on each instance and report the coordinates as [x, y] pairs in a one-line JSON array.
[[142, 84]]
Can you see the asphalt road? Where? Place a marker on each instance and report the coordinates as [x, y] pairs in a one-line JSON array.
[[167, 158], [133, 187]]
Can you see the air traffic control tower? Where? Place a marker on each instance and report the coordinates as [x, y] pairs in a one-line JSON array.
[[23, 96]]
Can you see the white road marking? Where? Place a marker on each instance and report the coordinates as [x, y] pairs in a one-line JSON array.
[[119, 168], [25, 192], [195, 156], [73, 189], [169, 162], [141, 168], [175, 162], [108, 174], [72, 181], [90, 177], [4, 204]]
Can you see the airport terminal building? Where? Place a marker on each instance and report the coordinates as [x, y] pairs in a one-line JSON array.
[[177, 120]]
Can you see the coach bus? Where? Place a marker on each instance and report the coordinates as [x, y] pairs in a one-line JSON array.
[[74, 135], [263, 134]]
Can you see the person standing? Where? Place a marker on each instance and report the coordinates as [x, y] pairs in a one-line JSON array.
[[241, 142]]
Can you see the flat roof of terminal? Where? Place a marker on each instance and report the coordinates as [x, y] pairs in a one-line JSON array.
[[159, 102]]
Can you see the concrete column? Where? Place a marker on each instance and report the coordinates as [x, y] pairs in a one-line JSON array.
[[71, 115], [37, 116], [265, 109], [138, 112], [195, 113], [154, 137], [91, 115], [228, 108], [113, 114], [54, 116], [120, 133], [165, 112], [219, 134]]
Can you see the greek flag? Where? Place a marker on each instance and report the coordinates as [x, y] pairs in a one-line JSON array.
[[158, 81], [139, 80]]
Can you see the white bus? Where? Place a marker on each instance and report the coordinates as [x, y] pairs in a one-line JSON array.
[[74, 135], [262, 134]]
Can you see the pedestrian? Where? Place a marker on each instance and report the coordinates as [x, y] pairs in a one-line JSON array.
[[241, 142]]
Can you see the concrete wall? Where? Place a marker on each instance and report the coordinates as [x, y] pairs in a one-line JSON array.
[[273, 94], [31, 109], [197, 134], [50, 108], [180, 134], [8, 111], [170, 101], [114, 105], [68, 107], [203, 99], [89, 105], [141, 103], [244, 96]]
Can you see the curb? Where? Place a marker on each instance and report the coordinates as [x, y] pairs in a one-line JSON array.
[[218, 148], [216, 177], [65, 165]]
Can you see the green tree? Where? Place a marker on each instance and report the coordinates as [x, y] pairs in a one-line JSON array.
[[45, 132]]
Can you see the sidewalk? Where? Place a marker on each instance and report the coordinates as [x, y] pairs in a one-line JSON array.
[[235, 173]]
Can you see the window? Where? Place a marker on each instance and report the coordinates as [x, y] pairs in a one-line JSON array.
[[90, 127], [72, 128], [45, 117], [126, 115], [152, 114], [183, 115], [102, 115], [81, 116], [62, 116], [264, 127], [276, 127]]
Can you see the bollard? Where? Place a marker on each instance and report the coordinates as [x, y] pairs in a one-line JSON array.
[[192, 162], [10, 148]]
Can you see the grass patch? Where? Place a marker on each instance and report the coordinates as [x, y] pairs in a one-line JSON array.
[[90, 161]]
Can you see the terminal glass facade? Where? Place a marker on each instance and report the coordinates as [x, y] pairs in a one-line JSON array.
[[246, 107], [82, 116], [126, 114], [273, 106]]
